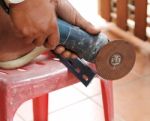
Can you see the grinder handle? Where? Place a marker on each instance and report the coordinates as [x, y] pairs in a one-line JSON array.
[[79, 41]]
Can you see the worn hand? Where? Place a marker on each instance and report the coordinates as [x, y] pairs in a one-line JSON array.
[[36, 22]]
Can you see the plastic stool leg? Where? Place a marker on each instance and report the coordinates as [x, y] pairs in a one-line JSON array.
[[107, 97], [40, 108]]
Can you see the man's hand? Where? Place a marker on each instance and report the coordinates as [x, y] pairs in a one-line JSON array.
[[68, 13], [36, 22]]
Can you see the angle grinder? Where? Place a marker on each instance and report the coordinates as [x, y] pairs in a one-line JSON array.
[[113, 59]]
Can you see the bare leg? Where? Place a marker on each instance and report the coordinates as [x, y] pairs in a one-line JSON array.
[[11, 44]]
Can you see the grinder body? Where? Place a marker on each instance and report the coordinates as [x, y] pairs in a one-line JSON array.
[[80, 42]]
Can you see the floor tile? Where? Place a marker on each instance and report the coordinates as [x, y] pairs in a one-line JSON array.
[[129, 78], [142, 65], [92, 89], [26, 111], [132, 100], [98, 100], [64, 97], [83, 111], [118, 117], [18, 118]]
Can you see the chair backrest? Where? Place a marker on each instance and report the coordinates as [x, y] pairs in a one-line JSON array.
[[133, 15]]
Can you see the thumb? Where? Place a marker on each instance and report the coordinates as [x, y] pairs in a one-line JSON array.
[[68, 13]]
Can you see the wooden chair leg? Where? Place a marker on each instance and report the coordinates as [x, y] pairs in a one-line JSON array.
[[40, 108], [107, 97]]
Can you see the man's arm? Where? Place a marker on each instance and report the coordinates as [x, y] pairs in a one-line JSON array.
[[36, 22]]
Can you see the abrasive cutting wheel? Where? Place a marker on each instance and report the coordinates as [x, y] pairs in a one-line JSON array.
[[115, 60]]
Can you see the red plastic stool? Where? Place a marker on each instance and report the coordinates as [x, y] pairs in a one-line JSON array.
[[35, 81]]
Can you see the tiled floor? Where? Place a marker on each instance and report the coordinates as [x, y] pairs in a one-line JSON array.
[[74, 103], [131, 94]]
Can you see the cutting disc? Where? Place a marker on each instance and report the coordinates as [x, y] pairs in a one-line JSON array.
[[115, 60]]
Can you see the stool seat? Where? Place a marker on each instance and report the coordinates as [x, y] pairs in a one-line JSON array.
[[43, 75]]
